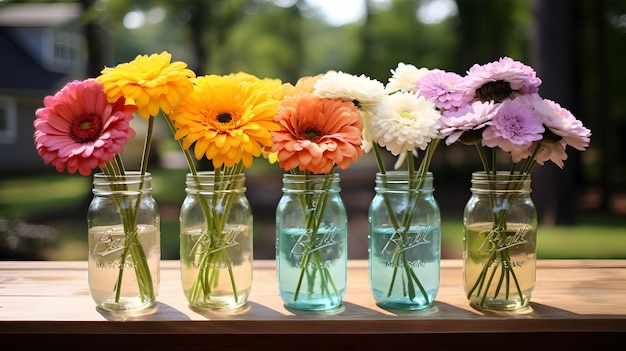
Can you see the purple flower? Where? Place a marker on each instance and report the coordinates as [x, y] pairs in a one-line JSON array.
[[554, 152], [501, 79], [444, 89], [562, 122], [514, 128], [460, 123]]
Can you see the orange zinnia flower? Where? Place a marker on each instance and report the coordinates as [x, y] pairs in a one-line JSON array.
[[317, 133]]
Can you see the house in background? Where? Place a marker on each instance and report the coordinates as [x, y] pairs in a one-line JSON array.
[[42, 47]]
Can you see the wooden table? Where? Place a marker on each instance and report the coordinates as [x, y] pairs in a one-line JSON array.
[[577, 304]]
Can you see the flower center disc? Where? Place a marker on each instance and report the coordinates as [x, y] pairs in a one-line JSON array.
[[224, 117], [496, 91], [312, 133], [86, 127]]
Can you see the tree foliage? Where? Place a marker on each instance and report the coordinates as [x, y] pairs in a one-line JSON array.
[[287, 40]]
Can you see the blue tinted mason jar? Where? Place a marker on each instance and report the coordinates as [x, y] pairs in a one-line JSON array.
[[404, 250], [311, 242]]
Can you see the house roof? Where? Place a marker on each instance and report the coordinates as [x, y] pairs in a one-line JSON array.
[[19, 70], [38, 15]]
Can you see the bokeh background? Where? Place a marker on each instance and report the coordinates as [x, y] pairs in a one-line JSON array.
[[577, 48]]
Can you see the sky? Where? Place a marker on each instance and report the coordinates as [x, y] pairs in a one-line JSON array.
[[334, 12], [337, 13]]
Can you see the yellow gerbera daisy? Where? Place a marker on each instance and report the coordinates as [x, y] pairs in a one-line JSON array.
[[152, 83], [228, 118]]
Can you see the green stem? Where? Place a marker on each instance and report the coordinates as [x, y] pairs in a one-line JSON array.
[[128, 214], [482, 156], [314, 215], [206, 277], [216, 217], [416, 182], [147, 146]]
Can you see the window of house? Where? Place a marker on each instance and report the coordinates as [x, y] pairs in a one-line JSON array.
[[8, 120], [65, 49], [62, 50]]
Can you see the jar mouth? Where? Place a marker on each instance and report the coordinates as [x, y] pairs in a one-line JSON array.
[[400, 175], [500, 182], [131, 182], [311, 182], [500, 176], [212, 177], [399, 180], [129, 175], [209, 181]]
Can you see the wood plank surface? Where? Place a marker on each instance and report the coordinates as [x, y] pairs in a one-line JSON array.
[[575, 298]]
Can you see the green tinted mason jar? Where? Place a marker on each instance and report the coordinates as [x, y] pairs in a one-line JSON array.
[[500, 242], [216, 229]]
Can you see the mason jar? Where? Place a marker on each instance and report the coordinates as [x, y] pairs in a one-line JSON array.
[[216, 239], [500, 242], [404, 251], [311, 242], [124, 242]]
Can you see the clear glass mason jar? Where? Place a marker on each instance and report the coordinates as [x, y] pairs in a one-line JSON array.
[[404, 242], [311, 242], [216, 241], [124, 242], [500, 242]]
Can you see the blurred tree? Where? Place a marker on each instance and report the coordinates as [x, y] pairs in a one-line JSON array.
[[556, 60], [602, 51], [578, 50], [396, 35], [99, 51], [489, 29]]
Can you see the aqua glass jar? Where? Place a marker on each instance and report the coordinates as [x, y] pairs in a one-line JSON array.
[[500, 242], [404, 251], [124, 242], [311, 242], [216, 229]]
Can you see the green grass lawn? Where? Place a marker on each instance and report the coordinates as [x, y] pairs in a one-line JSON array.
[[61, 200], [590, 238]]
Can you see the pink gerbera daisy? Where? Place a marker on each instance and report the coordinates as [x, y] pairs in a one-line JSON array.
[[79, 130]]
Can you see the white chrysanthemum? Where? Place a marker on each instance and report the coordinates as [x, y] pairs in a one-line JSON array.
[[405, 78], [405, 122], [366, 134], [364, 91]]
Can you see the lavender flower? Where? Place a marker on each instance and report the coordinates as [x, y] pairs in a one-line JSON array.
[[466, 122], [444, 88], [514, 128], [501, 79]]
